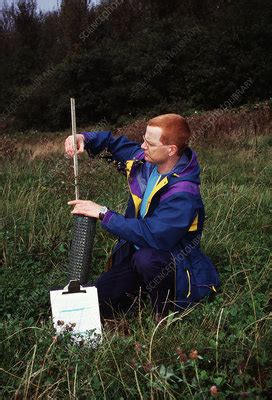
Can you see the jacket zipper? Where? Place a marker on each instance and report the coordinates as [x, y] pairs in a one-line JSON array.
[[189, 283], [175, 279]]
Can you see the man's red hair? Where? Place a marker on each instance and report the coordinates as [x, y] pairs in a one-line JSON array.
[[175, 130]]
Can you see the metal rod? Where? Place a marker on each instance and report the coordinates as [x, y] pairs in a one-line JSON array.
[[74, 133]]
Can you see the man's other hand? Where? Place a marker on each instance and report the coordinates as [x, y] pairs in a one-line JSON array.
[[85, 207], [69, 145]]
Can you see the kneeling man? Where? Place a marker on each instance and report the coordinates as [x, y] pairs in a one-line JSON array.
[[159, 236]]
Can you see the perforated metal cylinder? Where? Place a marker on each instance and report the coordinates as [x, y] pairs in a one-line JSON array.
[[80, 256]]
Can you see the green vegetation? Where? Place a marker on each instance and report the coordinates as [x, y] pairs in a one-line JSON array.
[[140, 360], [120, 58]]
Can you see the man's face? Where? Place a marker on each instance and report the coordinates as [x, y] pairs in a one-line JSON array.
[[154, 151]]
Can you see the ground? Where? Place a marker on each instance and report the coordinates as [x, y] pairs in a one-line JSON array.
[[219, 348]]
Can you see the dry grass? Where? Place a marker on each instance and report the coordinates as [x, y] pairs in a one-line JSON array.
[[217, 127]]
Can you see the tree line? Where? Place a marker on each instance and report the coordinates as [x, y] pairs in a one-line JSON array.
[[125, 58]]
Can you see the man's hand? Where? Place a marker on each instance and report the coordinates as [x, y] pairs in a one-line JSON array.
[[85, 207], [69, 144]]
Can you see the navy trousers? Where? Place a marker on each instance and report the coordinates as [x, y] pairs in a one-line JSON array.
[[136, 271]]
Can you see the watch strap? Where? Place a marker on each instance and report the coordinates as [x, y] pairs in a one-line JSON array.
[[102, 213]]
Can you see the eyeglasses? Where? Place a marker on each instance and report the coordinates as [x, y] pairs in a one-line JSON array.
[[152, 144]]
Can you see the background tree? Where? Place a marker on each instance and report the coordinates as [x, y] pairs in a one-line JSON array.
[[180, 55]]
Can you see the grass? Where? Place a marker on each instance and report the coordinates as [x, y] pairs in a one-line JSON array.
[[142, 360]]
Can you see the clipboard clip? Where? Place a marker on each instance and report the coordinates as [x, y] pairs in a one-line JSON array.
[[74, 287]]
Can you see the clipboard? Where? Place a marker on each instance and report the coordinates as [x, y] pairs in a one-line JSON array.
[[75, 309]]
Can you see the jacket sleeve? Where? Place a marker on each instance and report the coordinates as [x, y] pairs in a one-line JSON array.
[[121, 148], [163, 230]]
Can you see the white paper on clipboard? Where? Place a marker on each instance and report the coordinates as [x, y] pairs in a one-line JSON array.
[[77, 311]]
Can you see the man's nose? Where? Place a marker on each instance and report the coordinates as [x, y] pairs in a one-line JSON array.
[[144, 146]]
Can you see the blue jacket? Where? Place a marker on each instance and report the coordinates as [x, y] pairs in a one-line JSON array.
[[174, 218]]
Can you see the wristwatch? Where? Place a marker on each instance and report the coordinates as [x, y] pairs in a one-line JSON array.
[[102, 212]]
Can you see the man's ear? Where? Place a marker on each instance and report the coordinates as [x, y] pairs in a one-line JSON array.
[[172, 150]]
